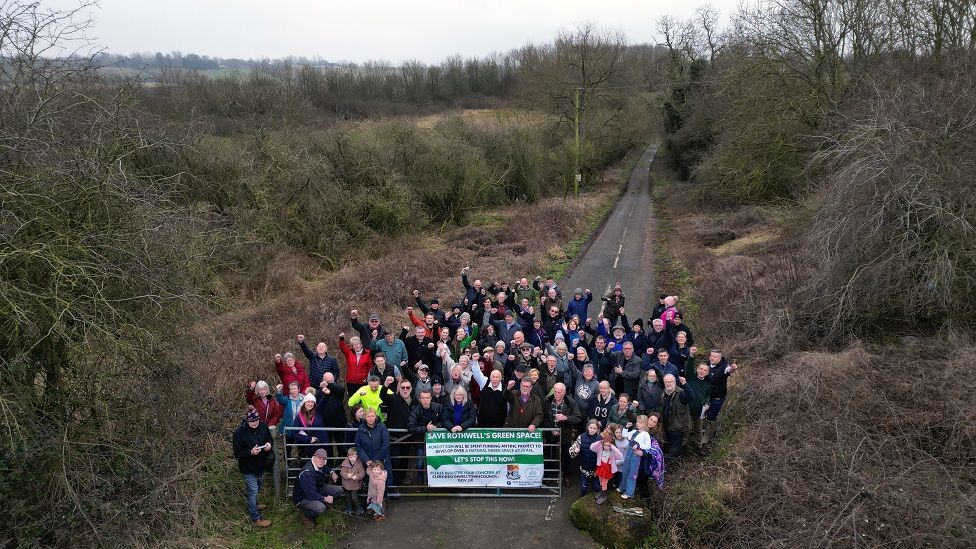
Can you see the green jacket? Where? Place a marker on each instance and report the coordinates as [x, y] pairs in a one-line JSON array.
[[372, 400], [527, 293]]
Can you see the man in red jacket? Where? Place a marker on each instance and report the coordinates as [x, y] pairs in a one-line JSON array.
[[290, 370], [358, 362]]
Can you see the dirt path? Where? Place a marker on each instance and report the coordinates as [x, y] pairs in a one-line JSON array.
[[621, 251]]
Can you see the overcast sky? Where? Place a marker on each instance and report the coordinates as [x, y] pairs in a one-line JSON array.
[[357, 30]]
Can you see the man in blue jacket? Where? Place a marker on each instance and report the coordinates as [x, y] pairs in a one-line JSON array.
[[579, 304], [312, 493], [319, 362]]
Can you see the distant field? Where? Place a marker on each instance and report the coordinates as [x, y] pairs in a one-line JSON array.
[[487, 116], [151, 73]]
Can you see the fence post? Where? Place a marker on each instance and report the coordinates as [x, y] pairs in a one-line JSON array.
[[559, 477], [279, 456]]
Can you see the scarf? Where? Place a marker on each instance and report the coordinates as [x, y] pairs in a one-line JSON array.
[[458, 408]]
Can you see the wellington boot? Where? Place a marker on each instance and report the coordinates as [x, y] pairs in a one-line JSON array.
[[601, 498], [710, 427]]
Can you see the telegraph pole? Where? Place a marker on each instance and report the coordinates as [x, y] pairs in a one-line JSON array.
[[577, 177]]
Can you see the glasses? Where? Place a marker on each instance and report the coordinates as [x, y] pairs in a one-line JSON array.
[[404, 387]]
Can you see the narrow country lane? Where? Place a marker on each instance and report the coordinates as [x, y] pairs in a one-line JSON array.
[[623, 249]]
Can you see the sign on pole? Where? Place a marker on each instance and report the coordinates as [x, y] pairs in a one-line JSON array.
[[484, 458]]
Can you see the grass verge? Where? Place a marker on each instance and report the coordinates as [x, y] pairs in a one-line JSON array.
[[694, 505]]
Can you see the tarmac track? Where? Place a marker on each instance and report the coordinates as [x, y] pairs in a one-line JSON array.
[[622, 251]]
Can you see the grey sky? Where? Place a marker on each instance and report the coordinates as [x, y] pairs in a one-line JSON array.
[[357, 30]]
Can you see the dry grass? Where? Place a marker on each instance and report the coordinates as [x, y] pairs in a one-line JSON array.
[[486, 117], [867, 446], [742, 243]]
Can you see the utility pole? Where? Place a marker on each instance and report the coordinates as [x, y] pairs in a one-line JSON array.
[[577, 177]]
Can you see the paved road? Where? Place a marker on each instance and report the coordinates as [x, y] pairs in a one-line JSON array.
[[622, 251]]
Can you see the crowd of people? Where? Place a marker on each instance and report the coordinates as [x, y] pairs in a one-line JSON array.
[[623, 399]]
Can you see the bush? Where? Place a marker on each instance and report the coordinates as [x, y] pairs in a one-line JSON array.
[[894, 235]]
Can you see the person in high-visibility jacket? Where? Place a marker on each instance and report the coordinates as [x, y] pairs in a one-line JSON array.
[[372, 396]]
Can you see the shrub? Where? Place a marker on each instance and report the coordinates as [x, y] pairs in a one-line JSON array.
[[894, 235]]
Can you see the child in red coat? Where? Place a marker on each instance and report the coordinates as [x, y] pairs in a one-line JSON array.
[[607, 455]]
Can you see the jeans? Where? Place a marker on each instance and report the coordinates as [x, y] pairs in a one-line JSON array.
[[714, 406], [676, 441], [313, 508], [586, 480], [696, 431], [629, 471], [421, 463], [253, 485]]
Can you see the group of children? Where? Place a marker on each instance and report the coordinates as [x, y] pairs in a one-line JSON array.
[[353, 473], [617, 457]]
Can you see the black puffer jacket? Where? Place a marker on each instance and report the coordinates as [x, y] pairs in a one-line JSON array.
[[419, 417]]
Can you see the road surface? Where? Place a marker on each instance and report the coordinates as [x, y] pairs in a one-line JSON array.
[[620, 252]]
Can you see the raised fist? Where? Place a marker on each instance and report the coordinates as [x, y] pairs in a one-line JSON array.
[[279, 387], [252, 385], [342, 335], [416, 293], [277, 357], [409, 310], [300, 338]]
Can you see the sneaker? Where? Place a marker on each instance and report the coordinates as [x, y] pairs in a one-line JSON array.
[[262, 507], [619, 491], [601, 499], [262, 523], [378, 518], [348, 510], [625, 496]]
